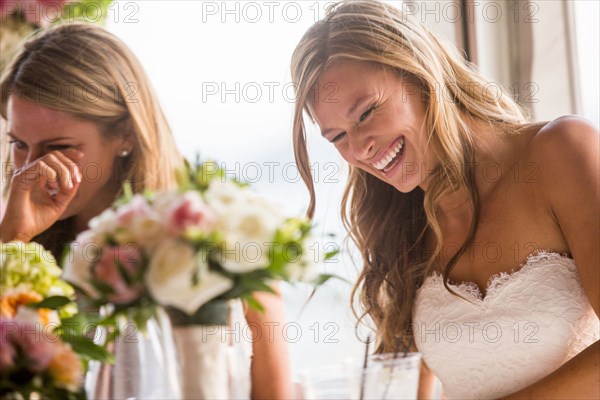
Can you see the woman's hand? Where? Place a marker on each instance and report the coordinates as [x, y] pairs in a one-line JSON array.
[[40, 192]]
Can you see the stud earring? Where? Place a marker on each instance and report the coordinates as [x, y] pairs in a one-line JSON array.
[[124, 153]]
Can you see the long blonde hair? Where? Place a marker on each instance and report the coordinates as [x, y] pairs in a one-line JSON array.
[[388, 226], [84, 70]]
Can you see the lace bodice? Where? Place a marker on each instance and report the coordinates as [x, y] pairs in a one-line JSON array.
[[529, 323]]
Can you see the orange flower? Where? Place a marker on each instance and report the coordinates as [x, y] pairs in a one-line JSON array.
[[47, 316], [11, 302], [65, 368]]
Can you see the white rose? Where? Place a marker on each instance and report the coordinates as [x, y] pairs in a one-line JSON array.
[[148, 231], [162, 203], [223, 196], [28, 315], [144, 230], [84, 251], [249, 230], [104, 223], [31, 316], [170, 273]]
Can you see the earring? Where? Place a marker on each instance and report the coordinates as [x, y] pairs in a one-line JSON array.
[[124, 153]]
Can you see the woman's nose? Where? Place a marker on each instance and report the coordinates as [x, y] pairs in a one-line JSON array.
[[33, 155], [362, 145]]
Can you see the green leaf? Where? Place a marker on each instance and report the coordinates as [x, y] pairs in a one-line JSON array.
[[322, 279], [279, 261], [124, 274], [88, 349], [78, 324], [257, 285], [126, 194], [53, 303], [110, 320], [331, 254], [113, 332], [326, 277], [102, 287], [254, 304]]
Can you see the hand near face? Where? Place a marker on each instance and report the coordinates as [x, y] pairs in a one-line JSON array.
[[40, 193], [51, 149]]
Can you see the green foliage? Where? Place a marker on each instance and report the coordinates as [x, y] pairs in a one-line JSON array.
[[86, 10], [53, 303], [28, 267]]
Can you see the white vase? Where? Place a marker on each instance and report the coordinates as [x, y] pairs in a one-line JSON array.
[[145, 364], [214, 357]]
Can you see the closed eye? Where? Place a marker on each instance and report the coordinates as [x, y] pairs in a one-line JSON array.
[[362, 118], [18, 144], [59, 147], [366, 114], [338, 137]]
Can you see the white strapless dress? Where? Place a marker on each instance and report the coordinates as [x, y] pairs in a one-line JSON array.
[[529, 323]]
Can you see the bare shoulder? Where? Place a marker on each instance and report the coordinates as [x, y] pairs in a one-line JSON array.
[[566, 152], [569, 134]]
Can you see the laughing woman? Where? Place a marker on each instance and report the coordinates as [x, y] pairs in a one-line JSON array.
[[479, 229], [81, 117]]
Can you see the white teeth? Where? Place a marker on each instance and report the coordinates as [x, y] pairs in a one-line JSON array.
[[386, 159]]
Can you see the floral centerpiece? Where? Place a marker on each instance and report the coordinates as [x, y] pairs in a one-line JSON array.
[[211, 239], [36, 358]]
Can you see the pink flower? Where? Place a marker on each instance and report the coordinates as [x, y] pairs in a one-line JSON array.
[[7, 349], [7, 7], [37, 346], [138, 206], [7, 356], [40, 351], [39, 12], [107, 272], [190, 212]]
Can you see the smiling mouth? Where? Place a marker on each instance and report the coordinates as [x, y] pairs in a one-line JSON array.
[[391, 158]]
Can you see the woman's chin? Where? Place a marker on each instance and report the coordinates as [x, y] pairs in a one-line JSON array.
[[67, 214], [404, 188], [405, 185]]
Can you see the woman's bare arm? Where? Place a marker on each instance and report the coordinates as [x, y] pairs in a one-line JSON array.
[[271, 371], [577, 379], [426, 383], [568, 160]]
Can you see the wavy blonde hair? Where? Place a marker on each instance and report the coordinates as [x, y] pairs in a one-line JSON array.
[[388, 226], [51, 69]]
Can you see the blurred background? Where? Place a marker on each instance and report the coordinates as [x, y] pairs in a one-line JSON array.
[[221, 71]]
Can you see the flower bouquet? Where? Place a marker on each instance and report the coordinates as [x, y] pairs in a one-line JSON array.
[[192, 251], [211, 239], [38, 356]]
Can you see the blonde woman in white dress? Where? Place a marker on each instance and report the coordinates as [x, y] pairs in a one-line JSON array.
[[479, 229]]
